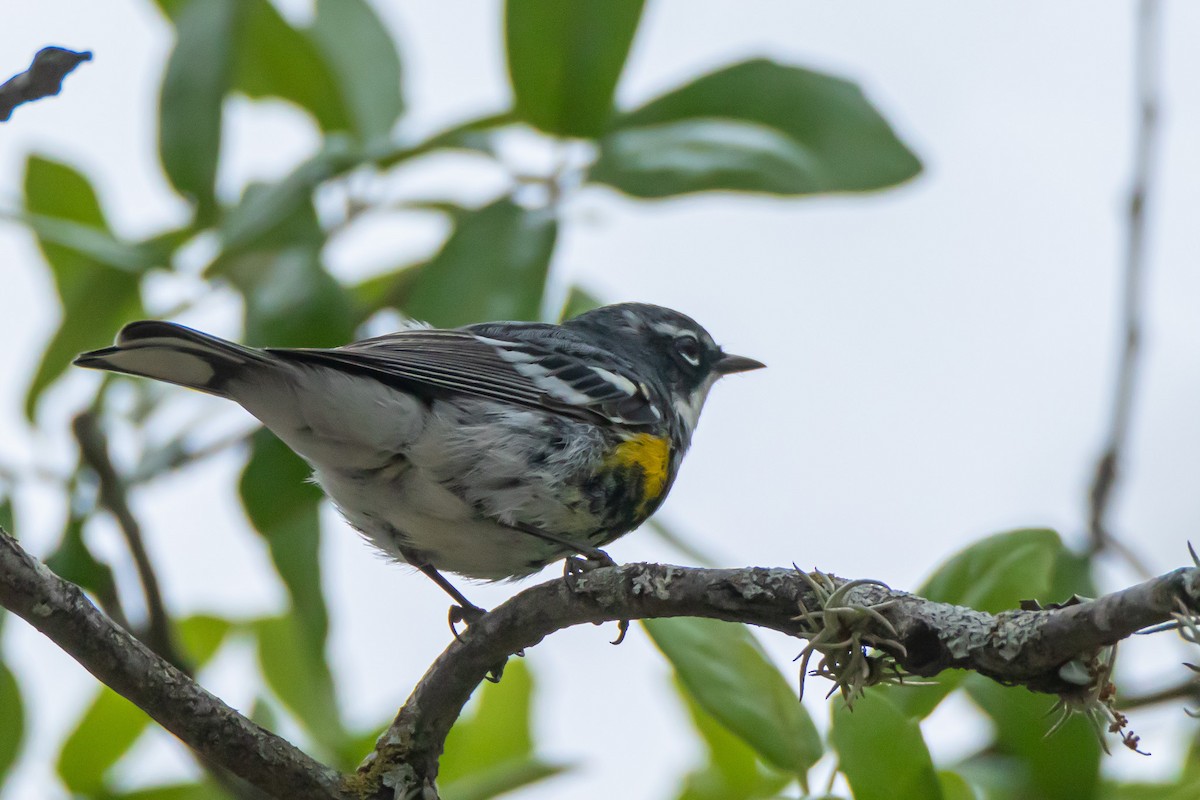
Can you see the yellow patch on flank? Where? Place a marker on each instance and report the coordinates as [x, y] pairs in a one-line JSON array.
[[652, 454]]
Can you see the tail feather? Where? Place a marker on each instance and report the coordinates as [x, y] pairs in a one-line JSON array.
[[176, 354]]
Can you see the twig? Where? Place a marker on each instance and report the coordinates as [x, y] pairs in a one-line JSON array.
[[43, 78], [1188, 690], [1108, 466], [93, 450], [181, 457], [62, 612]]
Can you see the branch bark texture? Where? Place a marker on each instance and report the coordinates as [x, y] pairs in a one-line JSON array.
[[1015, 647], [118, 659]]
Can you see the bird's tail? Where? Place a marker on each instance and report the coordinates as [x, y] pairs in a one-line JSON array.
[[176, 354]]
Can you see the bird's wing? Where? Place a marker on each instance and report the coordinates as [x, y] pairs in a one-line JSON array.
[[431, 362]]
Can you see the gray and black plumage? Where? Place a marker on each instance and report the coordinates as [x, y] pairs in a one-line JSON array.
[[488, 451]]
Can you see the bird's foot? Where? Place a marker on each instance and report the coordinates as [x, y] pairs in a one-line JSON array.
[[585, 562], [468, 614], [574, 566]]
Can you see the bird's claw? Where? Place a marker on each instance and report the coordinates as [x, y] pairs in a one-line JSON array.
[[468, 615], [574, 566]]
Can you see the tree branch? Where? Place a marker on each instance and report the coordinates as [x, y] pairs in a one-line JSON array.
[[1014, 647], [117, 658], [1186, 691], [43, 78], [1108, 465], [93, 450], [1026, 647]]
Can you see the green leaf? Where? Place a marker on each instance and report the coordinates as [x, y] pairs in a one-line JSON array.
[[300, 678], [491, 751], [474, 135], [733, 771], [8, 522], [955, 786], [175, 791], [12, 720], [500, 779], [106, 731], [98, 245], [361, 53], [995, 574], [564, 60], [96, 299], [276, 60], [725, 669], [1186, 788], [498, 731], [53, 189], [278, 213], [73, 561], [282, 506], [199, 72], [493, 266], [700, 155], [8, 527], [387, 290], [1072, 576], [171, 8], [882, 753], [755, 126], [1066, 765], [578, 301], [290, 298], [1191, 763], [263, 713], [201, 636], [297, 303], [106, 299]]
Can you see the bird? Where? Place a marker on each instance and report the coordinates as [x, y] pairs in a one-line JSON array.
[[486, 451]]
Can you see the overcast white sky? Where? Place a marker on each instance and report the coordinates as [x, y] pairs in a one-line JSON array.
[[940, 355]]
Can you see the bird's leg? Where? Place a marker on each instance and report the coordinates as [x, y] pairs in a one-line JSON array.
[[593, 558], [465, 611]]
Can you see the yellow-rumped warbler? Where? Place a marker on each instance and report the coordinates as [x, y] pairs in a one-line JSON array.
[[489, 450]]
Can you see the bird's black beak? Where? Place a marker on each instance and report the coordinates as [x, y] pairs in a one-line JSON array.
[[728, 364]]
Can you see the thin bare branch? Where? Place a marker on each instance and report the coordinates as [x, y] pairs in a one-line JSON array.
[[1186, 691], [93, 450], [1108, 466], [183, 456]]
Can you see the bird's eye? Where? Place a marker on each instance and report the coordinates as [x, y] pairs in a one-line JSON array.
[[688, 349]]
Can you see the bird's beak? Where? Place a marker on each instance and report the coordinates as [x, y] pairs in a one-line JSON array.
[[729, 364]]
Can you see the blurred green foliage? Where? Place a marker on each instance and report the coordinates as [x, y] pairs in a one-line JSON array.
[[757, 126], [882, 753], [715, 662]]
